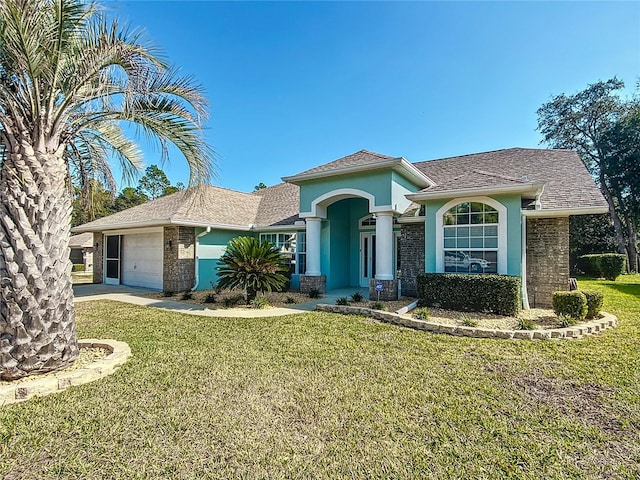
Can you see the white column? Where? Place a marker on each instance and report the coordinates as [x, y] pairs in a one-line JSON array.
[[313, 246], [384, 246]]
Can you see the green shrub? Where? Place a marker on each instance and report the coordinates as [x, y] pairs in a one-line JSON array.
[[187, 295], [357, 297], [595, 300], [612, 265], [253, 266], [314, 293], [342, 301], [467, 321], [471, 293], [566, 321], [607, 265], [421, 314], [290, 300], [571, 304], [526, 324], [210, 298], [259, 302], [78, 267], [167, 293], [377, 306]]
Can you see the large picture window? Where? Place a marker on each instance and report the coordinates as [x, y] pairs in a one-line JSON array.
[[293, 246], [470, 243]]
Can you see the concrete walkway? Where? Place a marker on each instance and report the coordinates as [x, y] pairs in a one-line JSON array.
[[136, 296]]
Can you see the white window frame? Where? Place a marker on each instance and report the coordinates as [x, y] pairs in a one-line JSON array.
[[502, 230], [297, 248]]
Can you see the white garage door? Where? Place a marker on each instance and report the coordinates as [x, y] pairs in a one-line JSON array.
[[142, 260]]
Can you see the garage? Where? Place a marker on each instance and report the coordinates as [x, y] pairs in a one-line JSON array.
[[140, 259]]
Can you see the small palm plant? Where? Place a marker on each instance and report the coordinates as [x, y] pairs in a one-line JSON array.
[[253, 266]]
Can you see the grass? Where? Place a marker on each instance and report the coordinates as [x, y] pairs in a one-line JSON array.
[[323, 395]]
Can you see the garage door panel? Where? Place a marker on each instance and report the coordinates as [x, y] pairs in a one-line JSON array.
[[142, 260]]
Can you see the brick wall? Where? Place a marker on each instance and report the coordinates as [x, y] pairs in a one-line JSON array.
[[547, 259], [411, 256], [97, 256], [179, 262]]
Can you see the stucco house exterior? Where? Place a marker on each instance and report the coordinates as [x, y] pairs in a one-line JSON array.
[[364, 220], [81, 250]]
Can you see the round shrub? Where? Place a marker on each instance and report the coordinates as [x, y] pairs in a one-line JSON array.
[[595, 300], [612, 265], [572, 304]]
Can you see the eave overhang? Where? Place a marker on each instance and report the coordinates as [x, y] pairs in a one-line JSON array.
[[533, 189], [162, 223]]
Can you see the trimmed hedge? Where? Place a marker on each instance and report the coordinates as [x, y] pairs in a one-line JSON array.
[[595, 300], [607, 265], [470, 293], [572, 304]]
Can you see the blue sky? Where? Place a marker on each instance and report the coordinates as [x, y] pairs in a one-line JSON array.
[[292, 85]]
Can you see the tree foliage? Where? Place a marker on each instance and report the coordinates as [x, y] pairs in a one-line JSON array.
[[602, 127], [253, 266]]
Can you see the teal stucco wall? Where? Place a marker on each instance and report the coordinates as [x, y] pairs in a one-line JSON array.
[[210, 249]]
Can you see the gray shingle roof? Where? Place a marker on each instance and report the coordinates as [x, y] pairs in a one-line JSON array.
[[279, 205], [208, 205], [567, 183], [83, 240], [363, 157]]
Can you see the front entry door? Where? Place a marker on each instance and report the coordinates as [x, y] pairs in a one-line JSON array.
[[367, 258], [112, 260]]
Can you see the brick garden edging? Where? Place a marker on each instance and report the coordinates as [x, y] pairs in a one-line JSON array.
[[119, 353], [584, 329]]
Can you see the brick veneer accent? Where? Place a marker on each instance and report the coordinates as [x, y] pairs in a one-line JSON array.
[[179, 261], [547, 259], [389, 290], [308, 283], [412, 245], [98, 246]]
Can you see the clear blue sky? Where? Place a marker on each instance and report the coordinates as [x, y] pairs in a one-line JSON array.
[[296, 84]]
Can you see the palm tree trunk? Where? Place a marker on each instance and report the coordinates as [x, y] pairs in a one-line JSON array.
[[37, 319]]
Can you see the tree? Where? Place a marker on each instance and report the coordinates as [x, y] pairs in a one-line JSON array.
[[154, 183], [127, 198], [253, 266], [70, 80], [91, 203], [583, 122], [260, 186]]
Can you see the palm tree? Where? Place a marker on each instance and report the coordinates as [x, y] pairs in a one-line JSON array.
[[71, 81], [253, 266]]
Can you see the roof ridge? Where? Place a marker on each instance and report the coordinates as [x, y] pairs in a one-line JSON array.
[[498, 175], [494, 151]]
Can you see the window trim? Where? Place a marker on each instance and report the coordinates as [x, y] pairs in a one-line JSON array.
[[297, 252], [502, 230]]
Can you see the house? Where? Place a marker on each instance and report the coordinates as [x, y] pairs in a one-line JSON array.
[[367, 220], [81, 253]]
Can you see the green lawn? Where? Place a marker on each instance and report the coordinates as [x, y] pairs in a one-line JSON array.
[[330, 396]]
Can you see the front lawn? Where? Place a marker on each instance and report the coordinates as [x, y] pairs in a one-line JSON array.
[[323, 395]]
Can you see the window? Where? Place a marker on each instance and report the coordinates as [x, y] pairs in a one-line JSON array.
[[470, 243], [293, 246]]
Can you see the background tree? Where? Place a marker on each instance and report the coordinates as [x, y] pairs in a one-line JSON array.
[[69, 79], [585, 122], [260, 186], [253, 266], [154, 183], [98, 205], [590, 234], [127, 198]]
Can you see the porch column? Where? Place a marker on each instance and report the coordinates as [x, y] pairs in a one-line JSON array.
[[384, 246], [313, 246]]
